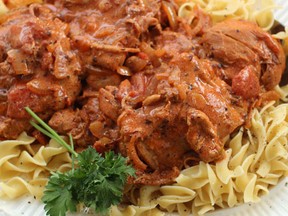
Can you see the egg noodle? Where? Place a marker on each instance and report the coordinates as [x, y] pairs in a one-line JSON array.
[[259, 11], [10, 4], [256, 158], [25, 167]]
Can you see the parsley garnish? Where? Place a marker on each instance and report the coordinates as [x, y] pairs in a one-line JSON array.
[[97, 182]]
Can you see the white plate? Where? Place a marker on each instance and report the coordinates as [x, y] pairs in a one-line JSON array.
[[282, 13], [274, 204]]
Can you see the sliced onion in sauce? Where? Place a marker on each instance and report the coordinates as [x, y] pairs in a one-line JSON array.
[[18, 61], [124, 71], [147, 49], [171, 14], [151, 99], [96, 128], [38, 86]]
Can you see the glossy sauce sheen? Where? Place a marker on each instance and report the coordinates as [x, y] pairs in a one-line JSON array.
[[132, 77]]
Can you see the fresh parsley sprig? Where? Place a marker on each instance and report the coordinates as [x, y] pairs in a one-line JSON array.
[[97, 182]]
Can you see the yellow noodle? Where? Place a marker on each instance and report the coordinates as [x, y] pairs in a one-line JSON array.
[[25, 167], [3, 8], [284, 37], [19, 3], [260, 12]]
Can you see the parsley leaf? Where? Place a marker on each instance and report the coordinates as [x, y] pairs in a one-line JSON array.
[[101, 180], [58, 198]]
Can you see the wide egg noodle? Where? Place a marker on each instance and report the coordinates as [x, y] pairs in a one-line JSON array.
[[16, 187], [25, 167], [3, 8], [144, 206], [262, 13], [283, 35], [19, 3], [170, 199], [219, 10]]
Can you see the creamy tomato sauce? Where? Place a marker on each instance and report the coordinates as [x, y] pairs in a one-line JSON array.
[[132, 77]]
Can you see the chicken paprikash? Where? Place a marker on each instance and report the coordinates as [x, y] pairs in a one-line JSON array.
[[133, 77]]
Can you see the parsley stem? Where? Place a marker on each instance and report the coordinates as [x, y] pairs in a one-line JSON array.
[[57, 139], [42, 130], [47, 130], [73, 156]]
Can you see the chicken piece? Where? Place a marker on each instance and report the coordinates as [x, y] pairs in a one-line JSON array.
[[19, 96], [41, 94], [206, 92], [246, 83], [69, 121], [11, 128], [202, 136], [221, 113], [236, 44]]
